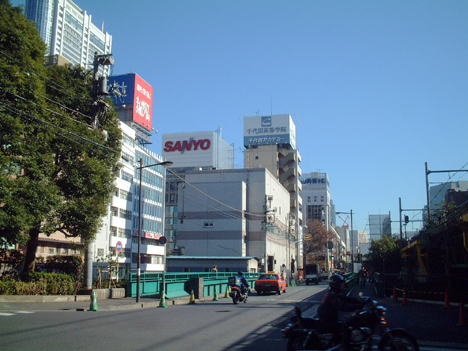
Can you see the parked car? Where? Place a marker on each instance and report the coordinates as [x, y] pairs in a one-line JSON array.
[[270, 282]]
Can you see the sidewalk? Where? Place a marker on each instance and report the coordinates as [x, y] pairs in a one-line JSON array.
[[126, 303]]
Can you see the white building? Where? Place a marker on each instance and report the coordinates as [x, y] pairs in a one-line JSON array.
[[121, 226], [270, 142], [230, 214], [68, 31]]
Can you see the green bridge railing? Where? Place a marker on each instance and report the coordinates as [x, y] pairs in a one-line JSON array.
[[178, 284]]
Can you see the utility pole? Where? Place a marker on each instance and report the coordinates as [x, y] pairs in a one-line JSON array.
[[99, 89]]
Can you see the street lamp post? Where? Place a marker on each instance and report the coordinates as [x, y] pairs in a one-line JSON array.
[[352, 238], [165, 163]]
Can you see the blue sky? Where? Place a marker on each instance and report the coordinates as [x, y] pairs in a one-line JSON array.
[[376, 88]]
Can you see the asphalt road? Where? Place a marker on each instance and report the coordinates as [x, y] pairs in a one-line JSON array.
[[209, 326]]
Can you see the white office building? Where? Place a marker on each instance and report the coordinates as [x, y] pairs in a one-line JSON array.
[[68, 31], [238, 219], [118, 237]]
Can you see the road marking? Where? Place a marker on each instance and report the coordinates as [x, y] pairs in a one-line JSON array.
[[7, 314]]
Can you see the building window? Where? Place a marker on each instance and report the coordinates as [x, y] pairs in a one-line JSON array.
[[322, 198], [125, 214], [208, 225], [308, 199], [113, 231], [315, 198], [100, 252], [116, 192], [115, 211]]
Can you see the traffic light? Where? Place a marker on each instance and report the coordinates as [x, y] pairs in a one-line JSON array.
[[406, 219]]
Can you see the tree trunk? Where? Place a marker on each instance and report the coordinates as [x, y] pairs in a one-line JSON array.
[[31, 248]]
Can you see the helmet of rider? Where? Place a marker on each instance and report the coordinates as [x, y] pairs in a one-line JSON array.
[[336, 281], [239, 273]]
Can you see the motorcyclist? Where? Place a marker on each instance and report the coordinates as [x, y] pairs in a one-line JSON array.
[[242, 282], [332, 303]]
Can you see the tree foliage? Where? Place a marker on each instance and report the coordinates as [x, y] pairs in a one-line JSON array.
[[56, 173], [384, 254]]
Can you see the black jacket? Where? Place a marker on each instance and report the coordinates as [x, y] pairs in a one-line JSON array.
[[334, 302]]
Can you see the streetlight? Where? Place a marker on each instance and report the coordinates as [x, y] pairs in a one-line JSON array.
[[165, 163], [352, 238]]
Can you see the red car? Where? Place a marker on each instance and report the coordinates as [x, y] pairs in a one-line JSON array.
[[268, 282]]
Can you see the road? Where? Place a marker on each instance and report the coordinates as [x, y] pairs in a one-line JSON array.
[[208, 326]]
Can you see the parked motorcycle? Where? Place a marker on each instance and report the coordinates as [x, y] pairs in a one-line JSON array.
[[237, 295], [306, 333]]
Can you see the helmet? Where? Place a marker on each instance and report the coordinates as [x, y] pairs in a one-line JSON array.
[[335, 281], [239, 273]]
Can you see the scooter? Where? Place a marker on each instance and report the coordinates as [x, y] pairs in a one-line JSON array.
[[237, 295], [306, 333]]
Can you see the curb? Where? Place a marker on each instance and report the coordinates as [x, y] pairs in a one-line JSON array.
[[44, 298]]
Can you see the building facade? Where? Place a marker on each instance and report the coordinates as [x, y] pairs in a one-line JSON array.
[[379, 225], [270, 142], [237, 213], [68, 31], [190, 151], [118, 237]]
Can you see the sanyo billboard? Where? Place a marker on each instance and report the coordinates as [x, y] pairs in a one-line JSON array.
[[197, 149], [269, 130]]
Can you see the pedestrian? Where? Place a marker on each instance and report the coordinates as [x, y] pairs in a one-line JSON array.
[[215, 269], [362, 275]]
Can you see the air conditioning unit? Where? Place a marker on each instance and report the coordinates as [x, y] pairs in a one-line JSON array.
[[270, 218], [292, 230]]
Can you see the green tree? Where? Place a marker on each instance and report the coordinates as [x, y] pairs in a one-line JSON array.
[[56, 173], [384, 252]]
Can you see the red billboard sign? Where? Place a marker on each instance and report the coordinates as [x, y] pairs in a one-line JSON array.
[[142, 103], [134, 91]]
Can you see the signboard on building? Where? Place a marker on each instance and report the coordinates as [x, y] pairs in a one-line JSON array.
[[269, 130], [197, 149], [135, 93]]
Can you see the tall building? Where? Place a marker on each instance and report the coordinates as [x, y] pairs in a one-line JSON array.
[[270, 142], [379, 225], [316, 200], [68, 31], [118, 237], [190, 151], [119, 234]]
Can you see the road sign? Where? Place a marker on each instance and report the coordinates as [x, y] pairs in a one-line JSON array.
[[118, 246], [162, 240]]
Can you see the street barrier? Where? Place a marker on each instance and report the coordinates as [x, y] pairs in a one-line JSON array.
[[447, 301]]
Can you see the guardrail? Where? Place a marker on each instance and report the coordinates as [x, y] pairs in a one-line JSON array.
[[181, 284]]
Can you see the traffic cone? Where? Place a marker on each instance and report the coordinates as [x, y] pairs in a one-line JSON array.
[[462, 318], [192, 298], [162, 301], [215, 297], [93, 305], [405, 299], [226, 295], [447, 301], [395, 297]]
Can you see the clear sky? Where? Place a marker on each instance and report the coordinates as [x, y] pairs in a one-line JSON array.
[[376, 88]]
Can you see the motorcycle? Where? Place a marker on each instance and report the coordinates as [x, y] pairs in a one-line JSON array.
[[306, 333], [237, 295]]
